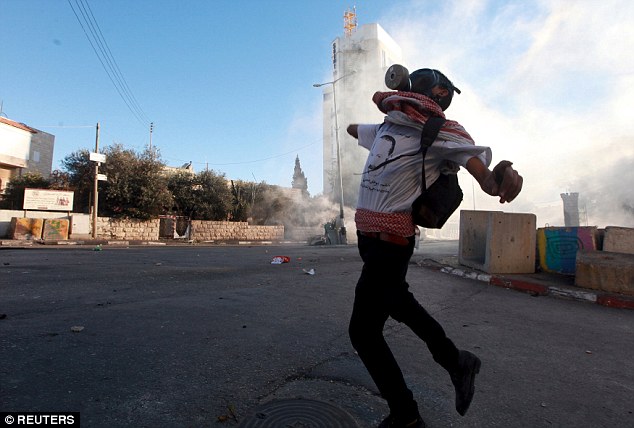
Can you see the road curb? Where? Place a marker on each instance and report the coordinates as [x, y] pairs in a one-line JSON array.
[[138, 242], [537, 289]]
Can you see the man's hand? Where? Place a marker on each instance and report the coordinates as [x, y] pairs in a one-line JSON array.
[[504, 182]]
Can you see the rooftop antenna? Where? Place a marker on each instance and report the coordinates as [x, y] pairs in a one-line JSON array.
[[350, 20], [2, 110]]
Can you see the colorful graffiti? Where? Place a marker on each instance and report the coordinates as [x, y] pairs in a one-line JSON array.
[[55, 229], [557, 247]]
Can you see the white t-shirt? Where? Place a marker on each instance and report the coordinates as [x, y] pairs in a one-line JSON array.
[[391, 179]]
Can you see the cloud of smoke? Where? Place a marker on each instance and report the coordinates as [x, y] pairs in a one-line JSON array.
[[546, 85]]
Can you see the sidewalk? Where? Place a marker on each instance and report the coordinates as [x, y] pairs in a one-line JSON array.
[[134, 242], [445, 259]]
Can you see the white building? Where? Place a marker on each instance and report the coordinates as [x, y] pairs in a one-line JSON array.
[[360, 59], [23, 149]]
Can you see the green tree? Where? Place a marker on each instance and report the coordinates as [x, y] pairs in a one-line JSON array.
[[213, 192], [239, 204], [244, 195], [181, 186], [203, 196], [80, 171], [13, 197], [59, 180], [136, 186]]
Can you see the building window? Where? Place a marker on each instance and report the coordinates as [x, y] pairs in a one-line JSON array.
[[36, 156]]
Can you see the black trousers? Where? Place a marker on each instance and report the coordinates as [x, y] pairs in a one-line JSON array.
[[382, 292]]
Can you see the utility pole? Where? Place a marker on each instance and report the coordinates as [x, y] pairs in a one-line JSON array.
[[340, 223], [151, 129], [95, 189]]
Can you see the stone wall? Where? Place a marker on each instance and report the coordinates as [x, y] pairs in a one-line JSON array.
[[127, 229], [234, 230]]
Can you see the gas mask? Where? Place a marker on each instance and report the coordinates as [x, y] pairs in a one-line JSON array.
[[421, 81]]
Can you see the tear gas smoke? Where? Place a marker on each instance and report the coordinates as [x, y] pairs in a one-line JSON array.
[[553, 97], [543, 84]]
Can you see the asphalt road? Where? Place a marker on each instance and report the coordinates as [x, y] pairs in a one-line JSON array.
[[201, 336]]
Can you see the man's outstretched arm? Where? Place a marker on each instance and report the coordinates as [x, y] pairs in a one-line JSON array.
[[503, 181]]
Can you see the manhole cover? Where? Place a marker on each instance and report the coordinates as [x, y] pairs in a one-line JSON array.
[[298, 413]]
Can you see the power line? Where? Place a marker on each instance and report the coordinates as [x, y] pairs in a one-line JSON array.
[[122, 80], [110, 64], [106, 58]]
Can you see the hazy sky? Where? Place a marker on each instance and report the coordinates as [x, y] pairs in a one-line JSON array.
[[228, 84]]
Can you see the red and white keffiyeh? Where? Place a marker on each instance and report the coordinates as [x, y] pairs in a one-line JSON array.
[[410, 108]]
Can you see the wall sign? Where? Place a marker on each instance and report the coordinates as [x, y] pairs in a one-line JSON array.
[[48, 200]]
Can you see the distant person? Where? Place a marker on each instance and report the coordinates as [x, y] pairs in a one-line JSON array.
[[390, 183]]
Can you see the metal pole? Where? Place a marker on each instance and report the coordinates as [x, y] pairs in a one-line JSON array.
[[95, 189], [342, 227]]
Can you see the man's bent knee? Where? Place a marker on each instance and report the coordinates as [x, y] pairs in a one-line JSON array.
[[362, 336]]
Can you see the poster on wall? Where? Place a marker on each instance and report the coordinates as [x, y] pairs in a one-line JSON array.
[[48, 200]]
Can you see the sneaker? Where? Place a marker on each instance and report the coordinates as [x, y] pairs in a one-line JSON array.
[[393, 422], [464, 380]]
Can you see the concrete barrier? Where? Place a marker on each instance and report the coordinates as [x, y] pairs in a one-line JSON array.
[[55, 229], [557, 247], [619, 240], [605, 271], [497, 242], [26, 228]]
